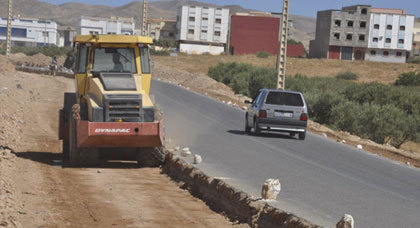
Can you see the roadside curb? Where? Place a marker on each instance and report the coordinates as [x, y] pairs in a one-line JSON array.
[[237, 205]]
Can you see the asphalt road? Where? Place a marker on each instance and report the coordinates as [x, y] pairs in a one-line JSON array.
[[321, 179]]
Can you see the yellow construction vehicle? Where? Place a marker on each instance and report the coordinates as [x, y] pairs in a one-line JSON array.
[[111, 115]]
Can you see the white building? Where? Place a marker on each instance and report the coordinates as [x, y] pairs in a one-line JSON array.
[[113, 25], [390, 35], [202, 29], [30, 32]]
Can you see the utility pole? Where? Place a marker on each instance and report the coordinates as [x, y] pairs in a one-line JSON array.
[[144, 21], [281, 58], [9, 29]]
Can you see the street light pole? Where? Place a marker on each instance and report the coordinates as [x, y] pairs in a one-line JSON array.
[[281, 58], [9, 29]]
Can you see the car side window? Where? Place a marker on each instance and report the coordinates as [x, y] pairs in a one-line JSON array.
[[255, 102], [259, 98]]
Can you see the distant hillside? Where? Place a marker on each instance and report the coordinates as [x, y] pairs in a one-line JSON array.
[[70, 13]]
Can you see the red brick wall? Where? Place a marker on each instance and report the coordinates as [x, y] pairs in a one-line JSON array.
[[252, 34], [295, 50]]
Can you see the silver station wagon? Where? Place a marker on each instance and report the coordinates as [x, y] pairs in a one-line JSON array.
[[277, 110]]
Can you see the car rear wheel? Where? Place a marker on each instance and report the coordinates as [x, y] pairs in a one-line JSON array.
[[257, 129], [302, 135], [247, 127]]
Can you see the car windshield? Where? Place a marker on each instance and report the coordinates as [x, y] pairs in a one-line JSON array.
[[114, 60], [282, 98]]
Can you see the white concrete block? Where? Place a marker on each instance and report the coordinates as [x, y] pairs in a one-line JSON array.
[[271, 189], [197, 159]]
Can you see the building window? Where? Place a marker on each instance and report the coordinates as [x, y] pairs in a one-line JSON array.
[[389, 27], [375, 39], [363, 24], [388, 40], [191, 31], [376, 26], [402, 28], [386, 53], [205, 19], [372, 52], [364, 11], [191, 19], [399, 54], [218, 20], [350, 23], [216, 33], [337, 36], [338, 23], [401, 41], [349, 37], [362, 37], [203, 31], [171, 34], [45, 34]]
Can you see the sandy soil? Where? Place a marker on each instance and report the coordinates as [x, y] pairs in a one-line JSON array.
[[367, 71], [36, 191], [190, 71]]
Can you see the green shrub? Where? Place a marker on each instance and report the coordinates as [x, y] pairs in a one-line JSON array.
[[322, 106], [414, 60], [347, 76], [160, 52], [408, 79], [262, 54], [346, 116], [262, 77], [165, 43], [240, 83], [292, 41]]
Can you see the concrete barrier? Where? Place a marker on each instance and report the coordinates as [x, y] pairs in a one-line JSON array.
[[237, 205]]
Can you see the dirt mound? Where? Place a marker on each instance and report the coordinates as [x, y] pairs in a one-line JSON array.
[[17, 56], [5, 65], [38, 59]]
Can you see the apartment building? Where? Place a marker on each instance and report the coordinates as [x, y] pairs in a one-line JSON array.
[[162, 29], [30, 32], [416, 38], [202, 29], [361, 32], [112, 25], [390, 35], [341, 34], [65, 36]]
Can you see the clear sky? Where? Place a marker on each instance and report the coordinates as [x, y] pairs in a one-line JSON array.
[[297, 7]]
